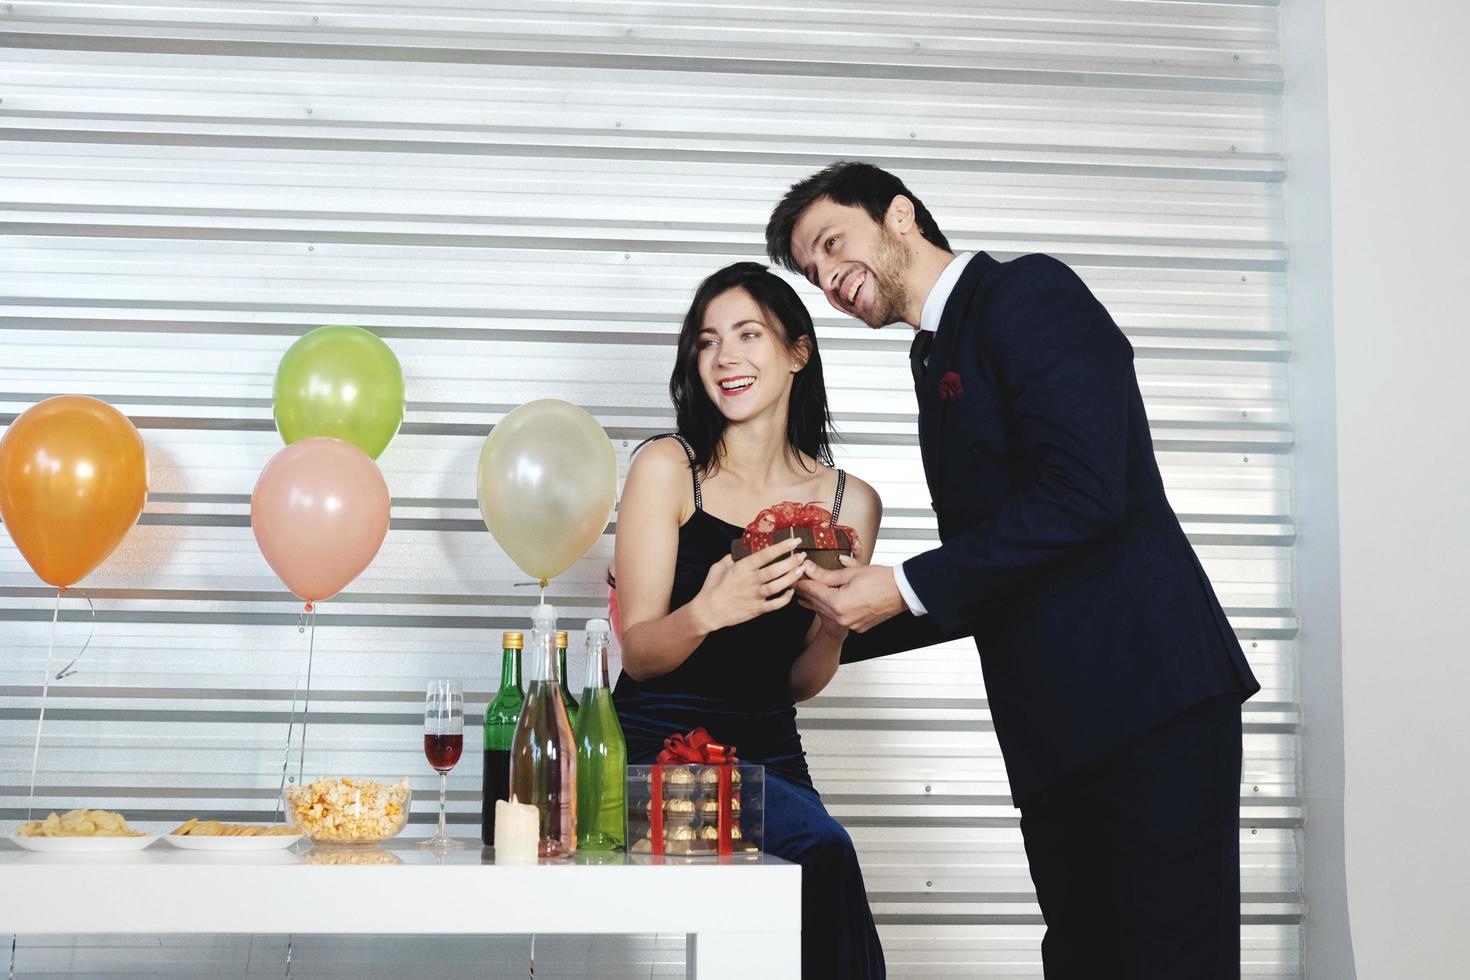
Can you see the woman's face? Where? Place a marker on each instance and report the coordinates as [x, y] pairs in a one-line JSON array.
[[744, 365]]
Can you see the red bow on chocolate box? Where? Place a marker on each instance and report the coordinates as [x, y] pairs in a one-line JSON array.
[[696, 749]]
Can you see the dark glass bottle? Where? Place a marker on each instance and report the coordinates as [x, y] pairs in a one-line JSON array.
[[500, 728], [561, 677]]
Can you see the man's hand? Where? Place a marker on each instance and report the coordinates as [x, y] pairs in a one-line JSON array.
[[858, 597]]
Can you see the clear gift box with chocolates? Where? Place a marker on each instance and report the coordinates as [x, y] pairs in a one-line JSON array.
[[698, 799]]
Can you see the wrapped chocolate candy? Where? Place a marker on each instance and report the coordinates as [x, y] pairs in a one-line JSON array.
[[681, 839], [709, 832], [709, 778], [675, 809], [709, 808], [678, 781]]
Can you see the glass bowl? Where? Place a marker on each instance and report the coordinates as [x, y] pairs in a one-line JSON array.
[[348, 810]]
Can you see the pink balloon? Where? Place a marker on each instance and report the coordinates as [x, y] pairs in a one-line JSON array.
[[320, 514]]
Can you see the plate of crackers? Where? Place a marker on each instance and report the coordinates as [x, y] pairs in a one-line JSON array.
[[212, 835], [81, 831]]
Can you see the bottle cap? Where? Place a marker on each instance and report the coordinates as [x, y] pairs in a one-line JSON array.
[[561, 638], [512, 640], [543, 617], [598, 626]]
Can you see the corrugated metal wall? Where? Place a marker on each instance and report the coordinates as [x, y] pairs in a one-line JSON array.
[[520, 199]]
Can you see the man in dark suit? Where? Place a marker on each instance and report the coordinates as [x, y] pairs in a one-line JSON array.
[[1113, 677]]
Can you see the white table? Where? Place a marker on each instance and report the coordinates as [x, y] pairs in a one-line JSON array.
[[742, 918]]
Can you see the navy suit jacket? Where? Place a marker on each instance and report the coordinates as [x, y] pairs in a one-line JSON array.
[[1059, 553]]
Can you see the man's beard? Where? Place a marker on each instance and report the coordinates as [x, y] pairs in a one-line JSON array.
[[890, 293]]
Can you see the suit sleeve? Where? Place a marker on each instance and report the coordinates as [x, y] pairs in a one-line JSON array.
[[897, 634], [1064, 372]]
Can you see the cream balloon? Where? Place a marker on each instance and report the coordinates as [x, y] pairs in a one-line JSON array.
[[547, 481]]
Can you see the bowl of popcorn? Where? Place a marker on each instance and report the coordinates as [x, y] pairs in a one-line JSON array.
[[344, 810]]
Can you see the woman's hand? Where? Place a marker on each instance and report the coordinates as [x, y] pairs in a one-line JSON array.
[[819, 658], [828, 630], [739, 591]]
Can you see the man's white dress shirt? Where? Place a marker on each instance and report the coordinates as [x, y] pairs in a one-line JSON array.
[[929, 320]]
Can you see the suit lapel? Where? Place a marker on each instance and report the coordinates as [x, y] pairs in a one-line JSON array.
[[919, 353], [958, 313]]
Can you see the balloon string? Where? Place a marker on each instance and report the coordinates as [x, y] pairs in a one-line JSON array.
[[290, 729], [542, 583], [291, 722], [41, 716], [306, 701], [67, 671]]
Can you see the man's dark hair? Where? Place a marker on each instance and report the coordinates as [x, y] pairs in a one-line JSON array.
[[851, 184], [808, 422]]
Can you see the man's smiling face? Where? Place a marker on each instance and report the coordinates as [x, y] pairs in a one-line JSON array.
[[857, 263]]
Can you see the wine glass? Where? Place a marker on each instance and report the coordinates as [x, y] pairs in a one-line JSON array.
[[443, 745]]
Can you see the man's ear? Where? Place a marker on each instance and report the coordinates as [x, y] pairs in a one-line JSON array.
[[900, 215], [801, 353]]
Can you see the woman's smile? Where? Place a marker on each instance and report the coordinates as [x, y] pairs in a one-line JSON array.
[[737, 384]]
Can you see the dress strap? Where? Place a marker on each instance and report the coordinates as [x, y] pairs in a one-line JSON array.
[[693, 463], [837, 499], [693, 471], [693, 474]]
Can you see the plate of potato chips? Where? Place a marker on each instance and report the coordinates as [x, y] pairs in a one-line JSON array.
[[81, 831], [213, 835]]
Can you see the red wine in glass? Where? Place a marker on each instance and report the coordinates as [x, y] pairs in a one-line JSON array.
[[443, 745], [443, 751]]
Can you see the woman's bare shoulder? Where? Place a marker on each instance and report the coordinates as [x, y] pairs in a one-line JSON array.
[[860, 502], [660, 470], [858, 489], [661, 459]]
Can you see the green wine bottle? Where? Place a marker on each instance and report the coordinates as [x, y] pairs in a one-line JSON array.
[[602, 755], [500, 728], [561, 677]]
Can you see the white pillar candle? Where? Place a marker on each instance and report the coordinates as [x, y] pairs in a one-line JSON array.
[[517, 832]]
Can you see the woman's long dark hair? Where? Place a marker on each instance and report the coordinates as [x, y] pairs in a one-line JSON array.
[[808, 422]]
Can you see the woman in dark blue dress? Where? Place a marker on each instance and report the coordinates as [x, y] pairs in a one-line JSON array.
[[719, 644]]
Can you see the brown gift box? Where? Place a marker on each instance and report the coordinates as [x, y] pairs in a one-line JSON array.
[[821, 544]]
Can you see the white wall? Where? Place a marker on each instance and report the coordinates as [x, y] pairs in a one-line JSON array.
[[1398, 105], [1327, 948]]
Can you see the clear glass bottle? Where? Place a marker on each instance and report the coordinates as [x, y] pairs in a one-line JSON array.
[[602, 754], [543, 758], [500, 728]]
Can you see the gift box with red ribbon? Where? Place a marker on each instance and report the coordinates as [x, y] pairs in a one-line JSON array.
[[821, 538], [696, 799]]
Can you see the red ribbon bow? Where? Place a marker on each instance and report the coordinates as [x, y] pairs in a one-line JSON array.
[[788, 513], [696, 748]]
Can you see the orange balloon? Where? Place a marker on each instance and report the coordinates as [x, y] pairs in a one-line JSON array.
[[73, 480]]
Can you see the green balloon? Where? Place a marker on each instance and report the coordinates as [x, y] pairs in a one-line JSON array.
[[341, 382]]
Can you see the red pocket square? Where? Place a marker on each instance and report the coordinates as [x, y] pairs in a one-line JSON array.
[[950, 386]]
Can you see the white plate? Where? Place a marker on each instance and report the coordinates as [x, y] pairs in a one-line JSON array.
[[83, 845], [274, 842]]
